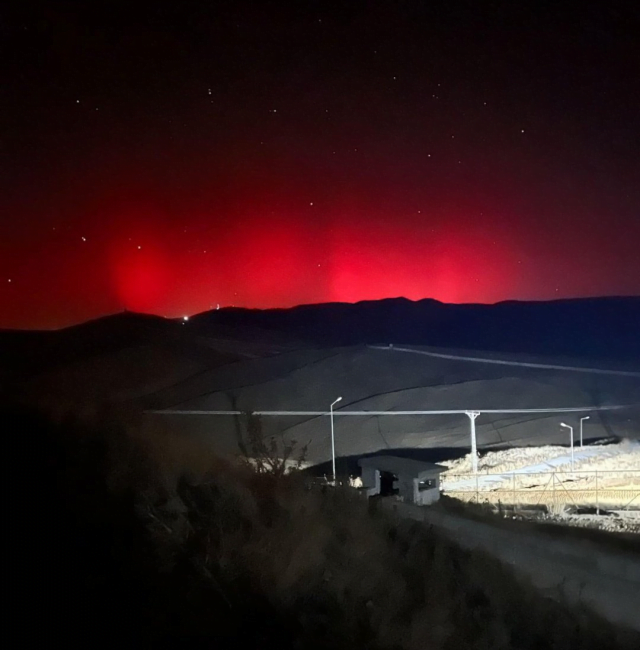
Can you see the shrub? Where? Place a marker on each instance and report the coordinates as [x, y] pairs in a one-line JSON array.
[[267, 455]]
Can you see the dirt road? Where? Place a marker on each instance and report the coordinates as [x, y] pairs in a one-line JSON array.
[[606, 582]]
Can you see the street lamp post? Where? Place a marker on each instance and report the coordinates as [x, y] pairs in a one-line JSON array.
[[566, 426], [586, 417], [333, 442]]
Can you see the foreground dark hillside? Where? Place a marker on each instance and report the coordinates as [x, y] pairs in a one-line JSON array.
[[121, 536]]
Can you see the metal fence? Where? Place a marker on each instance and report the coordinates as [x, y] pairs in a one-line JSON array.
[[614, 489]]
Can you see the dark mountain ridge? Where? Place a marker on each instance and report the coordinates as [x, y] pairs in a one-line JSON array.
[[592, 328], [599, 329]]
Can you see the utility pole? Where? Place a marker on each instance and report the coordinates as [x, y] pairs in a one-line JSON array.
[[472, 415], [333, 442]]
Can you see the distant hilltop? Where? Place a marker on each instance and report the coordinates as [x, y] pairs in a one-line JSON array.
[[592, 328], [599, 329]]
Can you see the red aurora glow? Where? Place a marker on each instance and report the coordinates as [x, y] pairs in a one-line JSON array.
[[170, 160]]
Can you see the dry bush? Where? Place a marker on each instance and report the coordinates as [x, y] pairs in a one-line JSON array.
[[268, 454]]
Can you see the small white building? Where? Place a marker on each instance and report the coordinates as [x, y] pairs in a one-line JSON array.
[[414, 481]]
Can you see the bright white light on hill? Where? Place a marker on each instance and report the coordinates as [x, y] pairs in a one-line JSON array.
[[185, 318]]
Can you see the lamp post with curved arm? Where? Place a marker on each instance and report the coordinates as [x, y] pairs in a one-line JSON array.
[[566, 426], [333, 442], [586, 417]]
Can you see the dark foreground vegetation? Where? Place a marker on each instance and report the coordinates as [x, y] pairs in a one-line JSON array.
[[127, 537]]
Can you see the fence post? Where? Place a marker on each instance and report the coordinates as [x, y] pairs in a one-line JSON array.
[[477, 491], [514, 492], [597, 502], [554, 491]]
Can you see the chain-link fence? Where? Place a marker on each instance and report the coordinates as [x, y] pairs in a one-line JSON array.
[[612, 490]]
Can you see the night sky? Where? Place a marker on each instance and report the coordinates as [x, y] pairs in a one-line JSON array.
[[173, 157]]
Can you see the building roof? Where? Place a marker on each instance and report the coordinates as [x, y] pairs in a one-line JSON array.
[[399, 465]]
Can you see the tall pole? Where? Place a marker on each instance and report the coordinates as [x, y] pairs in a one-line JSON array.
[[571, 448], [566, 426], [472, 415], [586, 417], [333, 442]]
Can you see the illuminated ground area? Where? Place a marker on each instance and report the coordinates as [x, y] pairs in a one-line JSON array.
[[601, 489], [374, 380]]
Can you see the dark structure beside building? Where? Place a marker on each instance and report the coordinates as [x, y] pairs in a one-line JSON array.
[[414, 481]]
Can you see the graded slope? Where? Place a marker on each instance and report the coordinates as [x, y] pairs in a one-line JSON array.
[[376, 380]]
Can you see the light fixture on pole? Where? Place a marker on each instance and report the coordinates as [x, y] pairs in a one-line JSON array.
[[333, 442], [586, 417], [566, 426]]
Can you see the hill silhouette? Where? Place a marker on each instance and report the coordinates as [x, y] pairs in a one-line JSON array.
[[591, 328]]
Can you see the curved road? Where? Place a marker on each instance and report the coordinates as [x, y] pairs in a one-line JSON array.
[[503, 362], [579, 571]]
